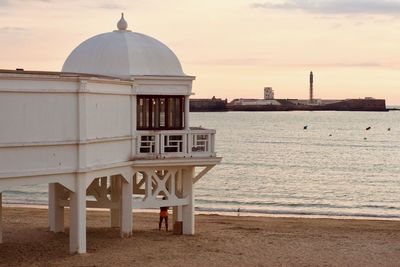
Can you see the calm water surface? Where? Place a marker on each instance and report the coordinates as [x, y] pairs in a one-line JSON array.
[[271, 165], [335, 167]]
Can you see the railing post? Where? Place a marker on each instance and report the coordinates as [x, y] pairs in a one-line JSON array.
[[160, 143], [187, 110], [212, 140], [184, 144], [138, 140], [189, 143], [208, 143]]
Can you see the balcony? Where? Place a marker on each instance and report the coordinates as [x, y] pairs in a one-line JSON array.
[[196, 142]]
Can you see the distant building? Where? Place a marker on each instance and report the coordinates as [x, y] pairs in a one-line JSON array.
[[268, 93], [254, 102]]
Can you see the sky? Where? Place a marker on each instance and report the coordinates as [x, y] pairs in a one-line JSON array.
[[235, 48]]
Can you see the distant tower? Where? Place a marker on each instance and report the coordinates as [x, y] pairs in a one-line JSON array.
[[268, 93], [311, 87]]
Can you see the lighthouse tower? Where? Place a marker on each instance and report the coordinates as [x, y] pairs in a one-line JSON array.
[[311, 87]]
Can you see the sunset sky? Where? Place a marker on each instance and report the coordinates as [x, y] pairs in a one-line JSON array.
[[233, 47]]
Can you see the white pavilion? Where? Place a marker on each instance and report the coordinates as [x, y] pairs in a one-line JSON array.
[[111, 130]]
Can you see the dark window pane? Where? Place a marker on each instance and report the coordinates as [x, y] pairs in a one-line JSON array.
[[160, 112]]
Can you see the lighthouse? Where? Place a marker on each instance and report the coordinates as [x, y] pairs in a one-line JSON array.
[[311, 87]]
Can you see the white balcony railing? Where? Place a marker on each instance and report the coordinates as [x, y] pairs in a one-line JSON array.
[[196, 142]]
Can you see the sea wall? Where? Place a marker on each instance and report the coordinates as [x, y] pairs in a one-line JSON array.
[[358, 105], [208, 105], [216, 104]]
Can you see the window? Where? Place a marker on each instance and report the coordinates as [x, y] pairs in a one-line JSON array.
[[160, 112]]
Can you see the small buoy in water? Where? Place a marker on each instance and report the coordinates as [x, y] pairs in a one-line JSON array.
[[305, 127], [368, 128]]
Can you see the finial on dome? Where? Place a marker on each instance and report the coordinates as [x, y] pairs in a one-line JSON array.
[[122, 24]]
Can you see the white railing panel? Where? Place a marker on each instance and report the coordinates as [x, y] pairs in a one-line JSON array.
[[196, 142]]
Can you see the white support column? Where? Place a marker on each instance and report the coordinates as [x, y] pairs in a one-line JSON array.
[[56, 212], [177, 210], [82, 125], [187, 110], [176, 214], [115, 197], [1, 218], [188, 210], [126, 207], [133, 125], [77, 231]]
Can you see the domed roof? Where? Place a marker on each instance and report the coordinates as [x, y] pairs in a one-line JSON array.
[[123, 53]]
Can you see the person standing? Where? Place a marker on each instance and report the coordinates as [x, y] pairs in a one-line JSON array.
[[163, 216]]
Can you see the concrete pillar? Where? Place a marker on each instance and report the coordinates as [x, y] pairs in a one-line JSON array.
[[187, 110], [188, 210], [176, 214], [77, 231], [177, 210], [116, 198], [1, 218], [126, 207], [56, 212]]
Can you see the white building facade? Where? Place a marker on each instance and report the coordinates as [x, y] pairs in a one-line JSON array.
[[111, 130], [268, 93]]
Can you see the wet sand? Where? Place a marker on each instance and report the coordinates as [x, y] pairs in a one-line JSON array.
[[219, 241]]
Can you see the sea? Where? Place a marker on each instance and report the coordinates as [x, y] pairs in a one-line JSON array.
[[301, 163]]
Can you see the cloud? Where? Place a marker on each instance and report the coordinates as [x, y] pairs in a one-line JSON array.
[[110, 6], [12, 2], [45, 1], [232, 61], [386, 7], [356, 64], [264, 62], [13, 29]]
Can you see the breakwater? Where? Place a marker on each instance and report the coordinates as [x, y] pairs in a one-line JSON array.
[[217, 104]]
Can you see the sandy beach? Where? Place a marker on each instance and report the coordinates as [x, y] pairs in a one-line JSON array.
[[219, 241]]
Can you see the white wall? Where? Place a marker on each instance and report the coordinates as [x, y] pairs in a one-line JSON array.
[[105, 153], [36, 117], [52, 123], [108, 115], [17, 160]]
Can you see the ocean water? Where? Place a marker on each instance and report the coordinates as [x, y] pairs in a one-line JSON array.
[[335, 167], [272, 165]]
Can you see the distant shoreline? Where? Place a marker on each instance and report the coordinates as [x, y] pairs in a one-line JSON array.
[[231, 213], [217, 104]]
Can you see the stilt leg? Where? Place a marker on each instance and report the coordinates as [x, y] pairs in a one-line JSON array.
[[56, 212], [177, 219], [115, 197], [1, 218], [177, 210], [188, 210], [77, 232], [126, 208]]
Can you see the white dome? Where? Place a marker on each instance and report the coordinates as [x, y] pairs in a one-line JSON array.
[[123, 54]]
